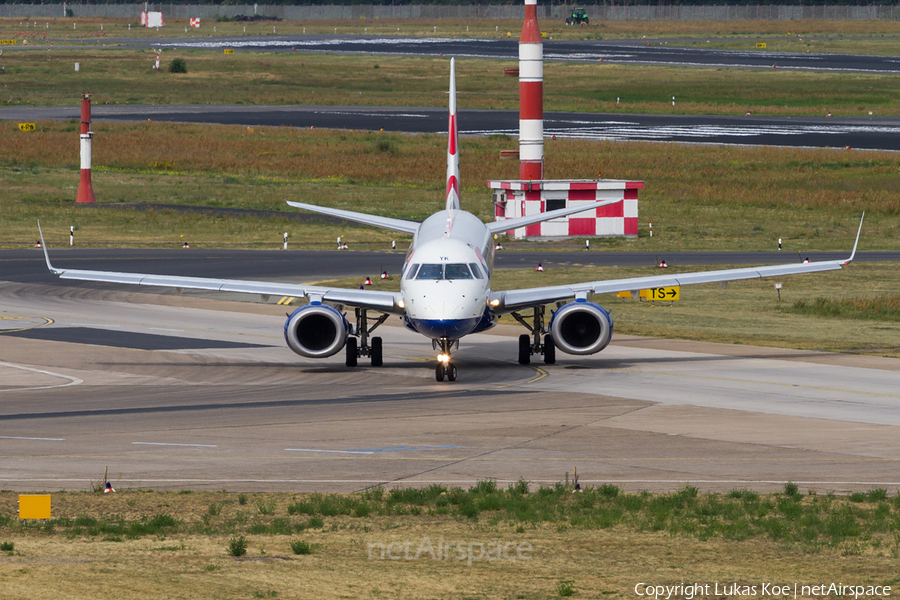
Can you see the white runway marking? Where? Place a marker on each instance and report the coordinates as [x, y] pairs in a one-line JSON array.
[[72, 380], [13, 437], [171, 444], [330, 451], [94, 325], [164, 329]]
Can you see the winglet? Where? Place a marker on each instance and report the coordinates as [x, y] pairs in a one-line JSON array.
[[453, 202], [44, 247], [856, 243]]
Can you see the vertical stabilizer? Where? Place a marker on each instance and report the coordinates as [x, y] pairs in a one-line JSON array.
[[453, 146]]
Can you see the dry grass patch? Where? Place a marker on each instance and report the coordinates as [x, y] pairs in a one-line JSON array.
[[602, 541]]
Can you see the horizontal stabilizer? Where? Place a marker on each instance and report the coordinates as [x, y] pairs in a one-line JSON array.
[[373, 220], [510, 224]]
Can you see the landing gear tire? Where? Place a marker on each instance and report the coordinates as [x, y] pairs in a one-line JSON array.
[[439, 372], [377, 357], [451, 372], [524, 349], [352, 354], [549, 350]]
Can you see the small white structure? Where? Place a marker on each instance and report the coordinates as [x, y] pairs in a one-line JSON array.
[[152, 19], [518, 198]]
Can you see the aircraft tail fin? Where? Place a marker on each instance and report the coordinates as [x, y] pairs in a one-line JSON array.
[[453, 202]]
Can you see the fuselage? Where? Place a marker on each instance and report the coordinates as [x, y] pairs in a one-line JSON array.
[[446, 281]]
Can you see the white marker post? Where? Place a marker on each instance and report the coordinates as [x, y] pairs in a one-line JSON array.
[[71, 235], [285, 240], [587, 244], [393, 244], [651, 227], [779, 243]]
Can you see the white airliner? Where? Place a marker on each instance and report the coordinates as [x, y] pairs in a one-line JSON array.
[[445, 287]]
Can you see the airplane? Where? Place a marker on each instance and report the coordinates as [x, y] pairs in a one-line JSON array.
[[445, 286]]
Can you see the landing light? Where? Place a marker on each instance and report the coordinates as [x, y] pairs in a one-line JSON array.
[[401, 304], [495, 302], [443, 358]]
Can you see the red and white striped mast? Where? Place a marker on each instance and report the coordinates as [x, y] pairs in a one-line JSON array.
[[85, 191], [531, 97]]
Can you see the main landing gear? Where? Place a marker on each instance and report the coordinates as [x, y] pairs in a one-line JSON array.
[[355, 348], [531, 344], [444, 367]]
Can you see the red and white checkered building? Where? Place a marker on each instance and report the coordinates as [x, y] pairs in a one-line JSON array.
[[195, 23], [520, 198]]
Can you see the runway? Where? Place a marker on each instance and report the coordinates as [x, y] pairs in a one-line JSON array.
[[873, 133], [217, 401]]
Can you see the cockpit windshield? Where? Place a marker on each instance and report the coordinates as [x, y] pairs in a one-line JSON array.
[[450, 271]]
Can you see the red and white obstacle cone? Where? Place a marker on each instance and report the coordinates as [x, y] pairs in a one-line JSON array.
[[539, 268], [85, 191], [531, 97]]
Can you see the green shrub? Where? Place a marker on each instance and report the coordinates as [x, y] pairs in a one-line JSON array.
[[315, 523], [266, 508], [301, 547], [177, 66], [877, 495], [608, 490], [7, 546], [565, 588], [520, 486], [791, 489], [485, 486], [242, 499], [237, 546]]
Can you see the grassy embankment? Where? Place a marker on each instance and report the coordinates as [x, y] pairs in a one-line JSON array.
[[599, 543], [120, 76]]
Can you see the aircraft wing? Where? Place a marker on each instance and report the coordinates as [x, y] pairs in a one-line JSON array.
[[511, 300], [381, 301], [376, 221]]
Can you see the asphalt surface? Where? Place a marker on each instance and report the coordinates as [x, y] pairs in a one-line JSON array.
[[644, 52], [227, 406], [874, 133]]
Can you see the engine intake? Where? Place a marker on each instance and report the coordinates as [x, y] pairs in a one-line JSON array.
[[581, 328], [316, 331]]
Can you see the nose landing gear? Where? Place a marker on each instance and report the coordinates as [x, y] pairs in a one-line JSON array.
[[444, 367]]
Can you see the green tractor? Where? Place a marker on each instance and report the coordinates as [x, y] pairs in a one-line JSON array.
[[579, 17]]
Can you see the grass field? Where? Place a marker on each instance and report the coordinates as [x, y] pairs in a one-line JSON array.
[[697, 197], [599, 543], [124, 76]]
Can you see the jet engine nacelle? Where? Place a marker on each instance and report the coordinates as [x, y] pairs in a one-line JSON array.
[[581, 327], [316, 331]]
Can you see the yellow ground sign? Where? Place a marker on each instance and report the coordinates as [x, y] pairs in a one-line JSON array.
[[229, 51], [760, 44], [7, 42], [34, 507], [26, 126], [662, 293]]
